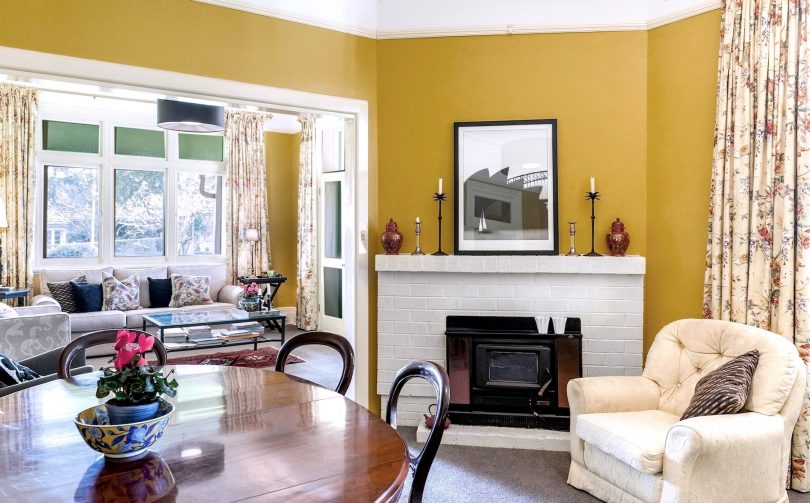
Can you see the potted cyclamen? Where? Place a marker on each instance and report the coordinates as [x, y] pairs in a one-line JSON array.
[[137, 386], [250, 299]]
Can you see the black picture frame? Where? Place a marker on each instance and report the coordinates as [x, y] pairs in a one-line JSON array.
[[489, 145]]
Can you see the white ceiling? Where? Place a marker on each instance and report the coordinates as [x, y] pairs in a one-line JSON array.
[[440, 18]]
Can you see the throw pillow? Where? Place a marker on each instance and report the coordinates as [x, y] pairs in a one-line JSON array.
[[725, 389], [160, 292], [190, 290], [62, 293], [12, 373], [120, 295], [88, 296], [7, 311]]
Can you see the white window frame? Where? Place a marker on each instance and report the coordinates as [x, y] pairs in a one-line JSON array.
[[107, 161]]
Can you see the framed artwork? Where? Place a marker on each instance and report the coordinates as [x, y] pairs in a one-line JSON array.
[[506, 188]]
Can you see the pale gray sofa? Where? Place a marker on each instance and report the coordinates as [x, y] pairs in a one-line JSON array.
[[224, 296]]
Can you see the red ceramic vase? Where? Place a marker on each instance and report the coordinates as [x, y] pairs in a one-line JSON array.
[[618, 240], [391, 238]]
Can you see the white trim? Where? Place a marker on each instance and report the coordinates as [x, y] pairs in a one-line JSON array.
[[682, 14], [295, 18], [507, 30], [43, 65]]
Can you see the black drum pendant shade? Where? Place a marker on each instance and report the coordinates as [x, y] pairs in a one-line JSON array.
[[191, 117]]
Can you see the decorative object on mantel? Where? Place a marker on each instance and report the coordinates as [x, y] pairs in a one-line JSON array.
[[440, 197], [418, 250], [572, 231], [506, 188], [391, 238], [617, 239], [593, 196]]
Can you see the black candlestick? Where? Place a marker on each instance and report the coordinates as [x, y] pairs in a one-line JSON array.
[[440, 198], [593, 196]]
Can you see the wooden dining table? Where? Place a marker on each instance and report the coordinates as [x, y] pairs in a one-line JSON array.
[[237, 434]]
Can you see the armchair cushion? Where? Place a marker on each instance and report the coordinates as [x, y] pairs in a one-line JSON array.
[[725, 389], [12, 372], [635, 438]]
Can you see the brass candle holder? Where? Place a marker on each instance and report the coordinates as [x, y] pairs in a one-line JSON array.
[[418, 250], [572, 231]]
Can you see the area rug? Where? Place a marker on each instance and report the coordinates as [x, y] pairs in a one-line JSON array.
[[264, 357]]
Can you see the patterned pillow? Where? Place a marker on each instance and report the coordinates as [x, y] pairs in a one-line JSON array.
[[62, 293], [12, 373], [160, 292], [88, 296], [725, 389], [120, 295], [190, 290]]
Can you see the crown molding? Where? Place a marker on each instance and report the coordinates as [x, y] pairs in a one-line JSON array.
[[247, 6], [684, 14], [465, 31]]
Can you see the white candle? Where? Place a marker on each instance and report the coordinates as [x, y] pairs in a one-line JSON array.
[[418, 220], [440, 186], [593, 184]]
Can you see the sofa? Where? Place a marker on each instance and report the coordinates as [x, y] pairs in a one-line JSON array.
[[628, 443], [224, 296], [35, 336]]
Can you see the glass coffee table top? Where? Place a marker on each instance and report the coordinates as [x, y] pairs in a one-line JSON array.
[[221, 316]]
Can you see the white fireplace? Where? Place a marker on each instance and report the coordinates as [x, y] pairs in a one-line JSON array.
[[417, 293]]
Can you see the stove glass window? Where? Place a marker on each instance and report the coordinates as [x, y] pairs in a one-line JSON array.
[[512, 366]]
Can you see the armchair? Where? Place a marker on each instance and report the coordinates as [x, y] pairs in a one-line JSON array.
[[629, 444]]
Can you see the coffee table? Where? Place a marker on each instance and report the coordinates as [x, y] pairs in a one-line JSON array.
[[180, 319]]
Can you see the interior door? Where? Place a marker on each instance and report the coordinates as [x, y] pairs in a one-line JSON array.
[[331, 207]]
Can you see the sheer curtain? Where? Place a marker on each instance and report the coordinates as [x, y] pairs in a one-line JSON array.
[[759, 227], [307, 277], [246, 197], [18, 119]]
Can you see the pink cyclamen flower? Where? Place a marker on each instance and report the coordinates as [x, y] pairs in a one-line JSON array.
[[125, 356], [124, 337], [146, 342]]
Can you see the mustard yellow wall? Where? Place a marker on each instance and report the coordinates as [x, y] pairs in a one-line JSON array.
[[281, 158], [682, 76], [594, 84]]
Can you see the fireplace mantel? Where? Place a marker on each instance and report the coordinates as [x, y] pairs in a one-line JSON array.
[[486, 264]]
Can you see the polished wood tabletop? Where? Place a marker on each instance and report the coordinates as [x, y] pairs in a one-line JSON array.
[[237, 434]]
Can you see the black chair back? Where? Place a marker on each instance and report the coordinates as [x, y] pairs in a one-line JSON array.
[[90, 339], [435, 375], [334, 341]]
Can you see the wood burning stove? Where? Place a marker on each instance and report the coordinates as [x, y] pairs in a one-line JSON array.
[[505, 372]]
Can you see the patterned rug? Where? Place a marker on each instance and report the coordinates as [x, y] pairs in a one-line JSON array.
[[264, 357]]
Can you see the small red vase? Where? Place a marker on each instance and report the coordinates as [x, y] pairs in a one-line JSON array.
[[618, 240], [391, 238]]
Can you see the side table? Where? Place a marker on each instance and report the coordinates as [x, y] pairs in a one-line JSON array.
[[17, 294]]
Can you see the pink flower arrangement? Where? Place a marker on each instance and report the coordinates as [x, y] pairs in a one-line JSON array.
[[129, 345], [250, 290]]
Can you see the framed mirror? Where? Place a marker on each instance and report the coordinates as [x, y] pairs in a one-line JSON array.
[[506, 187]]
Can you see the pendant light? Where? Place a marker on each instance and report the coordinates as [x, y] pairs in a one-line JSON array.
[[190, 117]]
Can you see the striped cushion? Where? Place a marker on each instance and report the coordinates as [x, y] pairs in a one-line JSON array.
[[725, 389], [63, 294]]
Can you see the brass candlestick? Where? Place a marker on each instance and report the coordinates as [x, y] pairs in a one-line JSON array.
[[593, 196], [440, 198], [572, 231], [418, 250]]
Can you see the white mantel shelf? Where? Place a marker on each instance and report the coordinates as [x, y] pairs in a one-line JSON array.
[[553, 264]]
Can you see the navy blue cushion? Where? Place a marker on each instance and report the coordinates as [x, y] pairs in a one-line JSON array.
[[160, 292], [12, 373], [88, 296]]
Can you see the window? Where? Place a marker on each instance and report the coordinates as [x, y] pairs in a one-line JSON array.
[[71, 212], [115, 189]]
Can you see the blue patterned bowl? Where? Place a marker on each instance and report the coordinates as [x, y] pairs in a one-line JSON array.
[[121, 440]]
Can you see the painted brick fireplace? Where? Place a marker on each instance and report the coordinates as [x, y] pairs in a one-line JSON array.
[[417, 293]]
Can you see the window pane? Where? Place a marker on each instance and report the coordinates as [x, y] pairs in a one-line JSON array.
[[332, 220], [199, 214], [332, 150], [142, 142], [333, 292], [200, 147], [70, 136], [72, 217], [139, 215]]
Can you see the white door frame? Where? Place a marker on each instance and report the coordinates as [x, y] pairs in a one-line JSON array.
[[34, 64]]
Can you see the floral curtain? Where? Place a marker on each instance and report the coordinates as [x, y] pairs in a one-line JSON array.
[[18, 119], [307, 280], [759, 227], [246, 197]]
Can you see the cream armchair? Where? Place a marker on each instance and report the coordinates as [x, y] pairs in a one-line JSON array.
[[628, 443]]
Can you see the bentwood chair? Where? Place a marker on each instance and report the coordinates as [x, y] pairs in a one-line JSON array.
[[334, 341], [77, 346], [435, 375]]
